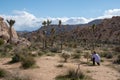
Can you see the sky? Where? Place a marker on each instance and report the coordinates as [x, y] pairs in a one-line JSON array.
[[29, 14]]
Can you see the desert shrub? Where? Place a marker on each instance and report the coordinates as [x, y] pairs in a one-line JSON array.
[[86, 55], [3, 73], [17, 58], [28, 62], [59, 65], [78, 51], [40, 53], [74, 45], [9, 46], [1, 41], [54, 50], [66, 56], [73, 75], [17, 76], [117, 60], [86, 48], [88, 71], [109, 56], [117, 49], [76, 56], [105, 49], [50, 54], [6, 75], [70, 45], [102, 60], [20, 54], [103, 54], [45, 51]]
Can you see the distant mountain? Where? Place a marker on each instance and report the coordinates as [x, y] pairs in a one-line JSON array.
[[96, 22], [67, 27], [108, 30], [71, 27]]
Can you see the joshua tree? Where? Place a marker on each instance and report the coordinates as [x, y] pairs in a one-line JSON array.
[[11, 23], [44, 33], [49, 22], [45, 24], [52, 33], [93, 29], [61, 38], [60, 22]]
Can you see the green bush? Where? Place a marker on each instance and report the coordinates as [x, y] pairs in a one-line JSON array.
[[6, 75], [17, 76], [1, 41], [28, 62], [117, 61], [45, 51], [70, 45], [74, 45], [59, 65], [50, 54], [19, 55], [54, 50], [109, 56], [103, 54], [117, 49], [87, 55], [76, 56], [72, 75], [40, 53], [78, 51], [3, 73], [9, 46], [17, 58]]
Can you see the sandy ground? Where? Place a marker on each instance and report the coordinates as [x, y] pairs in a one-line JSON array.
[[48, 71]]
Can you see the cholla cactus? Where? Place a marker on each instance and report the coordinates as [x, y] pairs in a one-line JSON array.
[[65, 56]]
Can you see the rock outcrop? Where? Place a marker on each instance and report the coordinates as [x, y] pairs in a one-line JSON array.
[[4, 31], [5, 35]]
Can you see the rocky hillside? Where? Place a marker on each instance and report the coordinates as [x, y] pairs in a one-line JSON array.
[[107, 30], [5, 35], [4, 30]]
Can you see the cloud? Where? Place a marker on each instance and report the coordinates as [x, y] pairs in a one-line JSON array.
[[24, 20], [110, 13], [28, 21], [115, 12], [77, 20]]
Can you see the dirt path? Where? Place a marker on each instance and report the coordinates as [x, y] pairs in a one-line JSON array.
[[102, 72], [48, 71]]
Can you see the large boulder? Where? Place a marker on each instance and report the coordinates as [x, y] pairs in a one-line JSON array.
[[5, 35], [4, 31]]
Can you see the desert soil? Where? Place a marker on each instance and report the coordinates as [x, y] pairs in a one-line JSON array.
[[47, 69]]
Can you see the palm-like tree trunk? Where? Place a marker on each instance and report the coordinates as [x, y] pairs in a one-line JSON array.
[[10, 29], [11, 23], [61, 38]]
